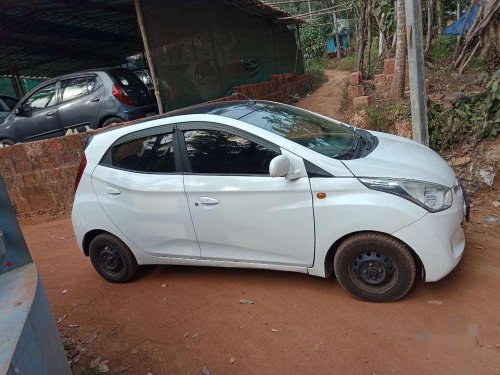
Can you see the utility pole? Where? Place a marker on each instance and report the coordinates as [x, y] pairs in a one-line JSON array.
[[149, 58], [415, 42], [336, 27]]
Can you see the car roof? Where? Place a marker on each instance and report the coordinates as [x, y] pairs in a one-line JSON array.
[[235, 109], [80, 72]]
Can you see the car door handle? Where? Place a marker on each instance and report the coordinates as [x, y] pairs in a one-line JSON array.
[[96, 99], [112, 191], [49, 114], [207, 201]]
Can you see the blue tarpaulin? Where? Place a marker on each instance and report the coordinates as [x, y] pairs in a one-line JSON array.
[[330, 43], [456, 27]]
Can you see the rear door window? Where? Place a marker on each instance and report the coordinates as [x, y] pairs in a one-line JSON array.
[[74, 88], [151, 154]]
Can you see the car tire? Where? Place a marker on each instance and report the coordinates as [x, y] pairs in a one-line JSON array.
[[374, 267], [112, 259], [6, 142], [111, 121]]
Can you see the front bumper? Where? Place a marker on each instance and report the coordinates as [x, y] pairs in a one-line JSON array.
[[438, 238]]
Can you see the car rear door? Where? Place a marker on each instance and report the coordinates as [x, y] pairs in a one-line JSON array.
[[81, 99], [140, 187], [239, 212]]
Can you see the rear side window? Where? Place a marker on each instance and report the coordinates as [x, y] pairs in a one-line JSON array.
[[152, 154], [93, 84], [218, 152]]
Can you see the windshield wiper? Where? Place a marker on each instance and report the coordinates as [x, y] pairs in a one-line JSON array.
[[350, 153]]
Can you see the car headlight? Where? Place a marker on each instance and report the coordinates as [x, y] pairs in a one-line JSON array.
[[432, 197]]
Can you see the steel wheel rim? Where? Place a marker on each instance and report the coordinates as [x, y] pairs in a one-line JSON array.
[[373, 271], [111, 261]]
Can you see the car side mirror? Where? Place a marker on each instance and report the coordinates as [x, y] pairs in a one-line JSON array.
[[19, 111], [279, 166]]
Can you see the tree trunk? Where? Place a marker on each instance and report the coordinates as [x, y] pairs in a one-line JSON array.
[[430, 20], [439, 10], [361, 38], [309, 7], [381, 35], [369, 39], [336, 28], [398, 82]]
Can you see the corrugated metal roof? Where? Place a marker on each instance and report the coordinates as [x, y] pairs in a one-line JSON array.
[[53, 37]]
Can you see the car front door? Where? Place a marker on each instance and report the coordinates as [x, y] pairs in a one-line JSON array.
[[139, 186], [81, 100], [239, 212], [37, 116]]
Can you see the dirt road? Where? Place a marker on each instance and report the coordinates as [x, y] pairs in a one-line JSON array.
[[176, 320], [326, 99]]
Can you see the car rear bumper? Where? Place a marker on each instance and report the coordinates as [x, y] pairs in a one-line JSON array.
[[141, 112], [438, 238]]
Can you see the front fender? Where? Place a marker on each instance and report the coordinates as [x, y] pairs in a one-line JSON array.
[[351, 207]]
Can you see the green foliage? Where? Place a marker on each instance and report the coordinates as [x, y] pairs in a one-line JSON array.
[[443, 49], [383, 114], [479, 118], [316, 67], [386, 7], [347, 63], [313, 39]]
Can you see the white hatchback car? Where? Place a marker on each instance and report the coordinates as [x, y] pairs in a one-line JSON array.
[[256, 184]]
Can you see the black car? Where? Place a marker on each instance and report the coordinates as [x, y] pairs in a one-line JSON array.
[[77, 101]]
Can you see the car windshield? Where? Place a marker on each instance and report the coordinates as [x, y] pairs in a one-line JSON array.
[[326, 136]]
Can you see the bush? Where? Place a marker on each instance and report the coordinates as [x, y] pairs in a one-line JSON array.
[[479, 118], [383, 114], [347, 63], [316, 67], [443, 48]]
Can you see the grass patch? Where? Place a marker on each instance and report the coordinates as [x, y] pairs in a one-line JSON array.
[[443, 48], [382, 114], [347, 63], [316, 67]]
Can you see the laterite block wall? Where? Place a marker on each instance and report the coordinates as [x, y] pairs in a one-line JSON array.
[[40, 175]]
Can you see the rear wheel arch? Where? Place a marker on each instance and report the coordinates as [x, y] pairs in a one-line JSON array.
[[109, 117], [89, 236], [7, 141], [330, 255]]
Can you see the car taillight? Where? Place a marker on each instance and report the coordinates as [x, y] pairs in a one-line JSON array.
[[120, 94], [79, 172]]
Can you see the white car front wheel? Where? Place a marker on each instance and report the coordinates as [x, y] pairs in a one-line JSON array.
[[375, 267]]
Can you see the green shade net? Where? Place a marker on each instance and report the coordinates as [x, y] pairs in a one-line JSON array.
[[203, 48]]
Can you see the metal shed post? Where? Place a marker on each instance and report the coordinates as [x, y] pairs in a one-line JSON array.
[[149, 58]]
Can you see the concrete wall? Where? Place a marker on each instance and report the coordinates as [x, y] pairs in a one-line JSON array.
[[40, 175]]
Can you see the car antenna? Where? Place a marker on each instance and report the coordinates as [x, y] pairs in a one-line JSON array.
[[243, 95]]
